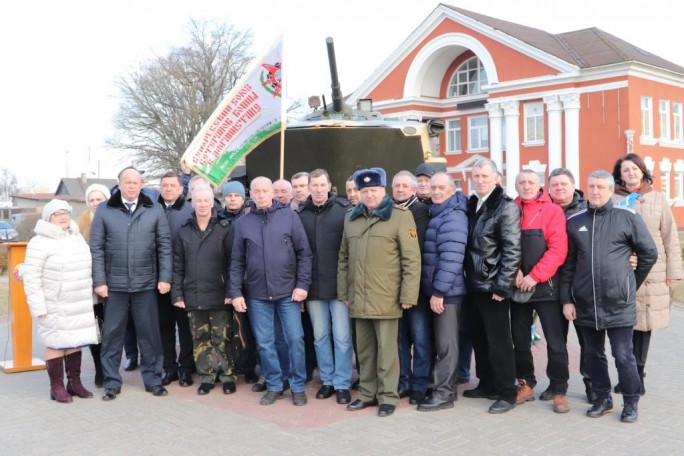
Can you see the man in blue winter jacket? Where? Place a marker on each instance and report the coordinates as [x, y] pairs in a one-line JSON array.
[[270, 271]]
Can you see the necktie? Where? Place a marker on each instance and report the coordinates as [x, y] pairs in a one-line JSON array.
[[130, 207]]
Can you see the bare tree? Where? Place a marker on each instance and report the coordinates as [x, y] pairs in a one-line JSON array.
[[8, 183], [167, 100]]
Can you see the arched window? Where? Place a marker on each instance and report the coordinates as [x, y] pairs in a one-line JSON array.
[[468, 79]]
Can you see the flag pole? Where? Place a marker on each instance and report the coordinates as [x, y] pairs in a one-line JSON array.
[[283, 112]]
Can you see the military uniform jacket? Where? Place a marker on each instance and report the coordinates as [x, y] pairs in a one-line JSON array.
[[379, 262]]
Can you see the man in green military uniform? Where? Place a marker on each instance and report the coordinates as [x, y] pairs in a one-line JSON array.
[[378, 276]]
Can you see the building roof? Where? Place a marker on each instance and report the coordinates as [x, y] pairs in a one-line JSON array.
[[585, 48], [75, 186], [45, 197]]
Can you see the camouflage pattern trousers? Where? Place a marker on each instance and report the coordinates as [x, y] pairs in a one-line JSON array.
[[211, 337]]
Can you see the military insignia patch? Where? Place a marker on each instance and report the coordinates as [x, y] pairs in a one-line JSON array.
[[366, 179], [413, 233]]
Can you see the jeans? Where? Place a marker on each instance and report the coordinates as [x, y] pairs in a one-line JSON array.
[[597, 364], [551, 317], [333, 342], [262, 316], [465, 344], [415, 326]]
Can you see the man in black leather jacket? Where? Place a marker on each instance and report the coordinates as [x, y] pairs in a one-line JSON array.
[[491, 264]]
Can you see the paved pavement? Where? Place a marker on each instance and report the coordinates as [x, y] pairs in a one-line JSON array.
[[137, 423]]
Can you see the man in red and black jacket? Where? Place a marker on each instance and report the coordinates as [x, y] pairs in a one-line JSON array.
[[544, 245]]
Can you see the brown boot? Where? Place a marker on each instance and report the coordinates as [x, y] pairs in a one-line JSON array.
[[74, 386], [525, 392], [560, 403], [55, 368]]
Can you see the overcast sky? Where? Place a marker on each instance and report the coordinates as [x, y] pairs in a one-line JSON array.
[[61, 58]]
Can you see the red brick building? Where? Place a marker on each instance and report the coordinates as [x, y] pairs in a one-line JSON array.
[[527, 98]]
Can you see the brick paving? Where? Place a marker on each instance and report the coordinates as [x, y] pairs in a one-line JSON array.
[[137, 423]]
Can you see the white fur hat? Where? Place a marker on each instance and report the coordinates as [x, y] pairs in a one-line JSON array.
[[54, 206], [97, 188]]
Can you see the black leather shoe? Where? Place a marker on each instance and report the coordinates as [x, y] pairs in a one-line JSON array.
[[358, 404], [355, 385], [157, 390], [325, 392], [130, 364], [417, 397], [600, 408], [480, 393], [343, 396], [630, 412], [259, 386], [205, 388], [433, 404], [228, 387], [169, 377], [110, 394], [404, 393], [501, 406], [546, 395], [386, 410], [184, 379], [251, 377]]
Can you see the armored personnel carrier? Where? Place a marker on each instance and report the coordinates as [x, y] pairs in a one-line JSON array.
[[341, 140]]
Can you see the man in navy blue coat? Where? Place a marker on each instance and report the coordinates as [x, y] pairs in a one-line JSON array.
[[270, 271]]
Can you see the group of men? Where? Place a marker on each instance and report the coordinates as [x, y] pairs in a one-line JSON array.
[[399, 280]]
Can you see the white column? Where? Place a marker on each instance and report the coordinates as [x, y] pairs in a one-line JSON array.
[[554, 108], [512, 112], [629, 134], [571, 107], [495, 136]]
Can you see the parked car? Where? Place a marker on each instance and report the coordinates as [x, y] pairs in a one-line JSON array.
[[7, 233]]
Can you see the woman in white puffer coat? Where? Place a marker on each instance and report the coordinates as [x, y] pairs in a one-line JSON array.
[[58, 284]]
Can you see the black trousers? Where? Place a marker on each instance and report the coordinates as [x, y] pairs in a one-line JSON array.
[[144, 310], [551, 318], [171, 317], [493, 344]]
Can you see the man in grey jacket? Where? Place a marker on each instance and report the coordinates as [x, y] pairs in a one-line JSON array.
[[130, 244], [598, 289]]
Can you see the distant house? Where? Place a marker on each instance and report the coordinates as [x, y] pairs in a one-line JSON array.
[[70, 189], [76, 186], [526, 98]]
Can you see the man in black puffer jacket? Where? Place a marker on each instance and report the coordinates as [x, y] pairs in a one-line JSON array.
[[598, 289], [491, 265], [132, 259]]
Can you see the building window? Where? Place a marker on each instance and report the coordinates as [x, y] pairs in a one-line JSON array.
[[677, 122], [679, 179], [469, 78], [665, 183], [665, 169], [478, 133], [454, 137], [664, 112], [534, 123], [647, 116]]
